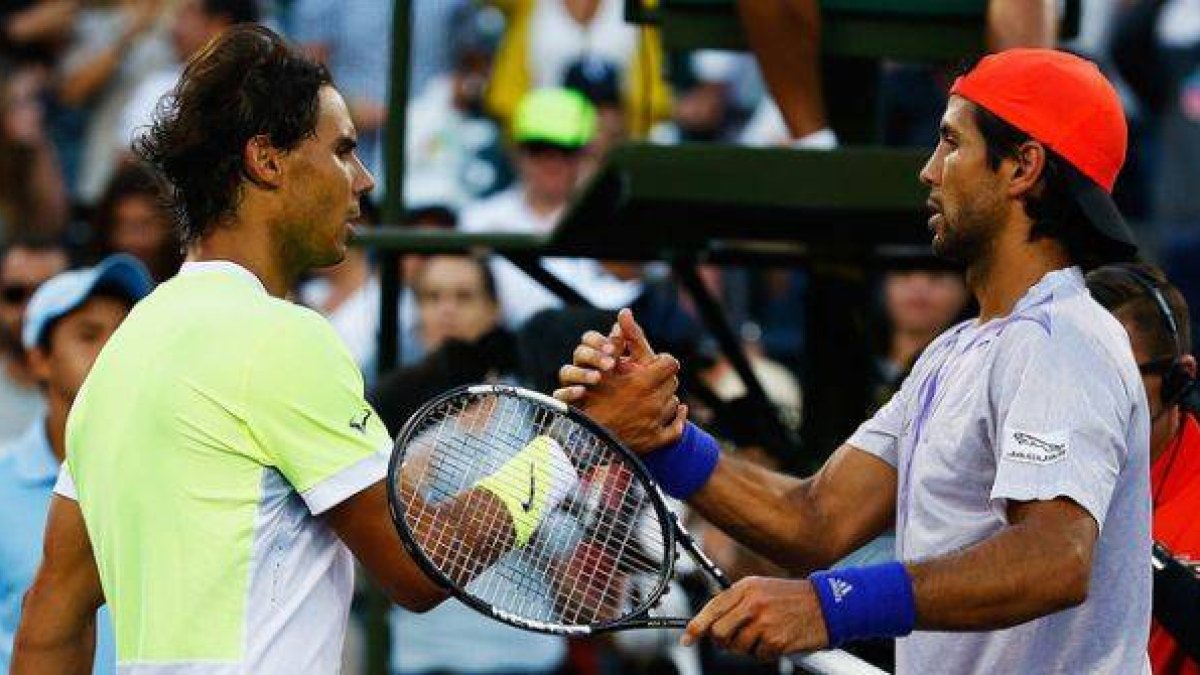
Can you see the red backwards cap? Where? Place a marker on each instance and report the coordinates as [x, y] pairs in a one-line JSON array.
[[1066, 104], [1059, 99]]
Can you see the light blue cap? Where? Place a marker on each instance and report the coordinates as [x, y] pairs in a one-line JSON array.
[[120, 273]]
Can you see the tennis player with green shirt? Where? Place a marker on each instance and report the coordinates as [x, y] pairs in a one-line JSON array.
[[223, 468]]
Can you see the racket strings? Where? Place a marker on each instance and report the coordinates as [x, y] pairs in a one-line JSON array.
[[583, 562]]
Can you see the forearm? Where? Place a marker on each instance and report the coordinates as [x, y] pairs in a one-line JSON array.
[[1014, 576], [773, 514], [47, 643], [42, 21], [81, 84]]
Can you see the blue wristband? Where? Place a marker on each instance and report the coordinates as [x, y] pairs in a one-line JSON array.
[[683, 467], [866, 602]]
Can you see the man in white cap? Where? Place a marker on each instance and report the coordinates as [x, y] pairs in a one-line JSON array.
[[67, 322]]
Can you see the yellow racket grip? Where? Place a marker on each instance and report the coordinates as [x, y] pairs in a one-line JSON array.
[[531, 484]]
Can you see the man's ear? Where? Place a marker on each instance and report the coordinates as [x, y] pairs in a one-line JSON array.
[[1027, 166], [262, 162], [1188, 363], [38, 359]]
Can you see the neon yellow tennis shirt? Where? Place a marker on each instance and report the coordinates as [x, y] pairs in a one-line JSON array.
[[216, 426]]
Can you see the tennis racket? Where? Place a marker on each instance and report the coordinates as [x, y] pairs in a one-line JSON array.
[[595, 545]]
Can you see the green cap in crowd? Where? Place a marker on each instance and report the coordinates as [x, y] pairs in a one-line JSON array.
[[554, 116]]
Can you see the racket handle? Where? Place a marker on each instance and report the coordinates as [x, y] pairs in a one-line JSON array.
[[833, 662]]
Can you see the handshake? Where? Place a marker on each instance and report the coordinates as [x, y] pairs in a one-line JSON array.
[[618, 381]]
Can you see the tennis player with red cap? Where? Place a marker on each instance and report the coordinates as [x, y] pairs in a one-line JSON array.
[[1013, 462]]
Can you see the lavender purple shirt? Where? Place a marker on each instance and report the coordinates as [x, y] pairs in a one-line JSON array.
[[1046, 402]]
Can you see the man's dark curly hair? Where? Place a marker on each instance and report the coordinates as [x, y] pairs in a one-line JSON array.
[[247, 82]]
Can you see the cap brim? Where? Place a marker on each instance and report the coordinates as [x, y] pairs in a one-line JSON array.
[[1101, 211], [125, 274]]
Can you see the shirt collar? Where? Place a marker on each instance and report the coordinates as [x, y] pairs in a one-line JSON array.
[[226, 267], [33, 457], [1062, 282]]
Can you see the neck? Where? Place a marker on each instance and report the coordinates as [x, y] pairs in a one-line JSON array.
[[1164, 431], [251, 247], [542, 205], [1010, 269], [56, 425]]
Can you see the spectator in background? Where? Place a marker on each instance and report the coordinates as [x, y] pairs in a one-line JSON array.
[[918, 304], [461, 333], [599, 82], [1156, 317], [33, 193], [25, 264], [785, 36], [193, 24], [435, 34], [66, 324], [116, 46], [451, 146], [353, 38], [36, 30], [131, 218], [543, 39], [552, 129]]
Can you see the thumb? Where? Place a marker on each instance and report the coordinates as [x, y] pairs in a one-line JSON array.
[[635, 337]]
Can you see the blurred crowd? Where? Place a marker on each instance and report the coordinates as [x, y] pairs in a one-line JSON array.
[[512, 105]]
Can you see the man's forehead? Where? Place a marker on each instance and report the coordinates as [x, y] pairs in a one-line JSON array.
[[333, 117], [959, 115]]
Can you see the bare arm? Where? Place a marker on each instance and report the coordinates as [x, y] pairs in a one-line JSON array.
[[996, 583], [802, 524], [47, 20], [78, 86], [364, 524], [58, 617], [1021, 23], [1001, 581]]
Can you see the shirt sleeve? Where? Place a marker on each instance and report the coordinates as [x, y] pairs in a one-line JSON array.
[[65, 485], [307, 412], [881, 434], [1061, 415]]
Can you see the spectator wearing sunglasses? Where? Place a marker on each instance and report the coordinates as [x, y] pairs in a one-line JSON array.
[[25, 263], [67, 323], [553, 129]]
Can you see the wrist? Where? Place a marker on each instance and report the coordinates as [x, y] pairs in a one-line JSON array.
[[683, 467], [866, 602]]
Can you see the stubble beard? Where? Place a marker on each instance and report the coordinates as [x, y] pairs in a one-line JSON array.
[[969, 239]]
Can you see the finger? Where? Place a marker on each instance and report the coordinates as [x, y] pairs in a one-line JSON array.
[[571, 375], [570, 394], [748, 637], [635, 337], [586, 357], [700, 625], [599, 342], [728, 630], [662, 368], [672, 432], [667, 416]]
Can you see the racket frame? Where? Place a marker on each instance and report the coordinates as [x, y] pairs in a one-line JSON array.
[[672, 530]]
